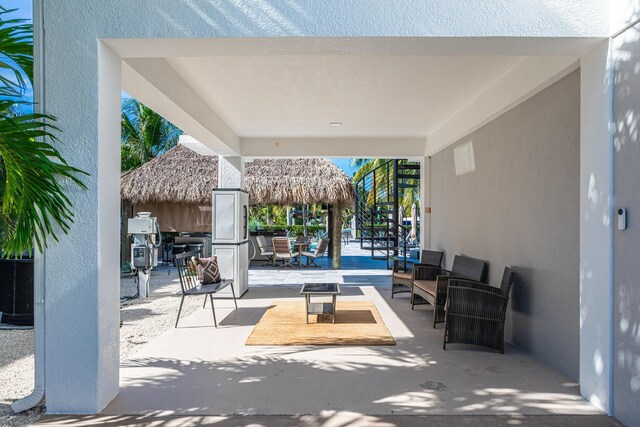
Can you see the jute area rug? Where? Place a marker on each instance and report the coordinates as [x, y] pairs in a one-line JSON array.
[[357, 323]]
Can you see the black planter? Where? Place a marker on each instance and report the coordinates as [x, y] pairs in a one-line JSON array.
[[16, 291]]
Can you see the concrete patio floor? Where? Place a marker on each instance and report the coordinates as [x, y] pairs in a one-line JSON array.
[[199, 370], [329, 419]]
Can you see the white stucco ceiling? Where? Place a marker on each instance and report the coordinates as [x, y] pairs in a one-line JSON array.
[[255, 96], [372, 95]]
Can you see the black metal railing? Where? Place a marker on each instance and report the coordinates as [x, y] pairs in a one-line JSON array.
[[378, 195]]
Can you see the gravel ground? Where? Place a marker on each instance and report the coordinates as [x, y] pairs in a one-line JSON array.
[[142, 320]]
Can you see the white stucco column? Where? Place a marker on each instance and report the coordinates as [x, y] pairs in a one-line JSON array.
[[82, 296], [596, 237], [230, 172]]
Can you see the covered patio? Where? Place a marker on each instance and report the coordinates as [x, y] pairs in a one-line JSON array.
[[199, 370], [507, 109]]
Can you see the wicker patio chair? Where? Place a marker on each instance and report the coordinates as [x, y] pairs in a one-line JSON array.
[[430, 283], [475, 312], [190, 285], [282, 251], [266, 250], [402, 279], [319, 252]]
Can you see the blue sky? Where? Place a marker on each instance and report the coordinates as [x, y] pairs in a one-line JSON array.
[[345, 165], [25, 12], [24, 8]]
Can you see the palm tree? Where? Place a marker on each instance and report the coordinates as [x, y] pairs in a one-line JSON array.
[[145, 134], [409, 196], [32, 171]]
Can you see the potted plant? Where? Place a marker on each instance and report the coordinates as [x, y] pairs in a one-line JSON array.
[[33, 174]]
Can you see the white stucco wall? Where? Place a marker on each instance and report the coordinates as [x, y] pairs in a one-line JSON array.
[[626, 281], [623, 13], [596, 174], [508, 193], [81, 270]]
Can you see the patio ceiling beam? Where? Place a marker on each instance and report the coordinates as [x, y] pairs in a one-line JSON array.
[[527, 78], [356, 147], [155, 83]]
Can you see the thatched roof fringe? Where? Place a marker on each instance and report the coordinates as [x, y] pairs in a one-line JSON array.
[[180, 174], [183, 176]]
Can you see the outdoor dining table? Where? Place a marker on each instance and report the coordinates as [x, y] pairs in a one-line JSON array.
[[301, 246]]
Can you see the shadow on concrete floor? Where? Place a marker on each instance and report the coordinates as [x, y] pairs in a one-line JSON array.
[[331, 418]]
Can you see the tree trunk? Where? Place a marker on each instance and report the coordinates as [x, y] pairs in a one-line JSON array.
[[304, 219], [336, 235]]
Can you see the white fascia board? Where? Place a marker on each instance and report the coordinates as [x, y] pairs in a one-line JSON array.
[[527, 78], [350, 147], [439, 46], [156, 84]]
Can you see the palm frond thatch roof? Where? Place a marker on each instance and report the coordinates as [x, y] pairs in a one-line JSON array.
[[180, 175], [184, 176], [294, 181]]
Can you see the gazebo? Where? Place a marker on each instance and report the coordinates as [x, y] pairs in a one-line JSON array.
[[177, 188]]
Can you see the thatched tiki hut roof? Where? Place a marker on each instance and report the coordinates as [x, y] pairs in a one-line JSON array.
[[178, 176], [297, 181], [184, 176]]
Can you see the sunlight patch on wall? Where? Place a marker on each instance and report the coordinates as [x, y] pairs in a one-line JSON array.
[[464, 159]]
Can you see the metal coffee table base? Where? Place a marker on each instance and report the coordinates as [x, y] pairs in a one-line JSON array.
[[320, 290], [321, 307]]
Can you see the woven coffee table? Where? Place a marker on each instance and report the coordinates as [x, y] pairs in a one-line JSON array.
[[320, 290]]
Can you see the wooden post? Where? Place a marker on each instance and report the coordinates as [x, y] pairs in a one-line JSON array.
[[336, 234], [330, 231], [304, 219]]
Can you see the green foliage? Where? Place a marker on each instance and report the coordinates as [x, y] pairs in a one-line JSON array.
[[255, 224], [34, 174], [277, 215], [347, 214], [409, 196], [145, 134], [296, 230]]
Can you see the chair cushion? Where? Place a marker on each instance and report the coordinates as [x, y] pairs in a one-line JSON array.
[[428, 286], [308, 253], [407, 275], [208, 271]]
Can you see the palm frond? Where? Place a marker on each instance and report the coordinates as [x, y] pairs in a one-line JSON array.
[[34, 205], [34, 200], [145, 134]]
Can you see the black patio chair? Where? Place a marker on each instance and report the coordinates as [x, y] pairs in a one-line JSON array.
[[475, 312], [402, 278], [430, 283], [190, 285]]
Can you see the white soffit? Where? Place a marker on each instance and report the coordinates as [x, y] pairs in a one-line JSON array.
[[372, 95], [195, 145], [378, 88]]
